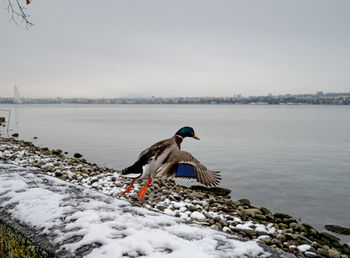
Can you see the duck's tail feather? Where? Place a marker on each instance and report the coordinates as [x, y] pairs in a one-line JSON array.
[[134, 171]]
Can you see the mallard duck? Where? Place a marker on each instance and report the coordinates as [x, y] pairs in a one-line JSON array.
[[165, 159]]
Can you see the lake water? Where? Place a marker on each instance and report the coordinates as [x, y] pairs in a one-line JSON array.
[[293, 159]]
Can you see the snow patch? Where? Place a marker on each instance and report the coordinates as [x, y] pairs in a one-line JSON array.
[[304, 248], [110, 226]]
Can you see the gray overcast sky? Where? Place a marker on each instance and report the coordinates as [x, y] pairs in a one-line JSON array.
[[176, 48]]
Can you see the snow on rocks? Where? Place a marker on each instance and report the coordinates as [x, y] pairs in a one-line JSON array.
[[197, 216], [304, 248], [218, 212], [82, 222]]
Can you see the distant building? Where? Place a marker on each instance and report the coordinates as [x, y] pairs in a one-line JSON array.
[[319, 93]]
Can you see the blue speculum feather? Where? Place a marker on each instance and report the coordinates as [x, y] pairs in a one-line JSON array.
[[186, 170]]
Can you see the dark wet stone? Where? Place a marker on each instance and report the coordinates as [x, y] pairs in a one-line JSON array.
[[165, 250], [77, 155], [265, 210], [57, 152], [329, 237], [322, 251], [338, 229], [86, 249], [260, 217], [94, 180], [212, 190], [73, 239], [282, 216], [244, 202], [133, 254], [160, 207], [15, 135], [58, 174], [119, 236]]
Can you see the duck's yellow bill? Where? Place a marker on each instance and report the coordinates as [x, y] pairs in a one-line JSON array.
[[195, 136]]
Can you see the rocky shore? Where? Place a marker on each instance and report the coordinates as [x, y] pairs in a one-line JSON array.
[[210, 207]]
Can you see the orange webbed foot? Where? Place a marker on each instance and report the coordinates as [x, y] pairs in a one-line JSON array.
[[129, 187], [143, 190]]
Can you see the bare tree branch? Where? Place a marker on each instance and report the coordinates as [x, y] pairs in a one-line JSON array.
[[18, 11]]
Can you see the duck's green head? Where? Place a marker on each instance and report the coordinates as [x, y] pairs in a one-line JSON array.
[[187, 132]]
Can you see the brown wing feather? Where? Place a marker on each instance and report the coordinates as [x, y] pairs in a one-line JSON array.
[[156, 148], [204, 175]]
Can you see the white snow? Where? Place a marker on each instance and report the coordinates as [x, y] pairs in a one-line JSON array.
[[264, 237], [238, 220], [311, 254], [36, 206], [260, 228], [197, 215], [117, 226], [246, 226], [304, 248]]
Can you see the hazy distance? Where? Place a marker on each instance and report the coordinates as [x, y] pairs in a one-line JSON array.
[[176, 48]]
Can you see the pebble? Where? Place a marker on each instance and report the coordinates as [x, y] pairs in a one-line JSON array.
[[198, 216]]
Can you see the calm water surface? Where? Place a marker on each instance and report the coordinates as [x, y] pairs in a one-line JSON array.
[[290, 159]]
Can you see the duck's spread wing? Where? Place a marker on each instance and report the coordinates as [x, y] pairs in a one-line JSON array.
[[181, 164], [156, 149]]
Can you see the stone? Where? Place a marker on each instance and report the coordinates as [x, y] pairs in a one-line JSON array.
[[322, 251], [160, 207], [316, 245], [289, 230], [282, 215], [290, 236], [198, 216], [293, 225], [338, 229], [94, 180], [191, 207], [310, 254], [266, 240], [57, 152], [198, 195], [334, 253], [252, 211], [260, 217], [77, 155], [58, 173], [226, 230], [218, 191], [282, 226], [165, 192], [307, 226], [265, 210], [329, 237], [223, 223], [244, 202], [298, 227]]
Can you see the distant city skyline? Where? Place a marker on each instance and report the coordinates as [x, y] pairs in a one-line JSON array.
[[117, 49], [17, 95], [320, 98]]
